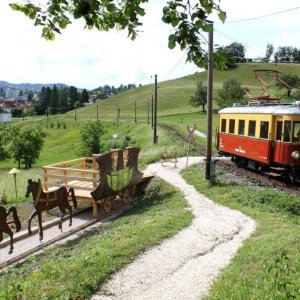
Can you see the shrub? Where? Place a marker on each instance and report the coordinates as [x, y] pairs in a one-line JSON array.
[[90, 138]]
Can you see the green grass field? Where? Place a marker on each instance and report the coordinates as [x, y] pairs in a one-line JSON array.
[[77, 269], [268, 264], [158, 214]]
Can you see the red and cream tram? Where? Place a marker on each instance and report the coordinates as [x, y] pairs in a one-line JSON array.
[[265, 138]]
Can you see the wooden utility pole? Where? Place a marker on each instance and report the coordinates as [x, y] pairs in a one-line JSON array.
[[135, 120], [209, 102], [152, 111], [97, 111], [117, 112], [148, 111], [155, 137]]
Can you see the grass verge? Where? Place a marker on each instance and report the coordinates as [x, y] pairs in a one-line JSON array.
[[268, 264], [77, 269]]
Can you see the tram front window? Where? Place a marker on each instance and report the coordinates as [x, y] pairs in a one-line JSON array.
[[296, 132]]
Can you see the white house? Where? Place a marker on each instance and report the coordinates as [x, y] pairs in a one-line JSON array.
[[5, 117]]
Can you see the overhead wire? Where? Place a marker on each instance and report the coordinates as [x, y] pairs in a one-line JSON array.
[[236, 40], [263, 16]]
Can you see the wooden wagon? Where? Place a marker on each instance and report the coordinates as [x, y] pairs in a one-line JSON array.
[[99, 179]]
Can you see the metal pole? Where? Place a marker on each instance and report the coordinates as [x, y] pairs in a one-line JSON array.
[[209, 101], [75, 114], [155, 111]]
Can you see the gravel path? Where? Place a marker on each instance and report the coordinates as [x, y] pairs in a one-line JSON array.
[[184, 266]]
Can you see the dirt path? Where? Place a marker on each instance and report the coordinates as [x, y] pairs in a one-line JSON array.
[[184, 266]]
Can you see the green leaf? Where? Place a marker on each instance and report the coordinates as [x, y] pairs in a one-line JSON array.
[[172, 41], [222, 16]]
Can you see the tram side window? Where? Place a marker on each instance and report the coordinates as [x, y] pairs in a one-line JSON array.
[[241, 127], [287, 131], [278, 130], [251, 129], [264, 129], [296, 132], [223, 125], [231, 126]]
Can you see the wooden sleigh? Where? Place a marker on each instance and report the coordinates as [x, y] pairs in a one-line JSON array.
[[100, 179]]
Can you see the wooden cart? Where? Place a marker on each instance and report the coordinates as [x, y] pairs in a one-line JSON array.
[[99, 179]]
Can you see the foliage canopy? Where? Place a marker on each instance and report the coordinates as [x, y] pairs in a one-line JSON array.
[[230, 93], [187, 19]]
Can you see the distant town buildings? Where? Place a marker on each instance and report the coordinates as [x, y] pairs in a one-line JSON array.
[[11, 98]]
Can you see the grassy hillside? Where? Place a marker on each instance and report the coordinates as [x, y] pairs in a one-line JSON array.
[[174, 95], [173, 107]]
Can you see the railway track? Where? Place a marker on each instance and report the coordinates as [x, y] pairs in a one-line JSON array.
[[228, 166], [256, 178], [62, 236], [200, 149]]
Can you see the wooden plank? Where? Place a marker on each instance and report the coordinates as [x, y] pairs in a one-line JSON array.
[[48, 184], [70, 169], [68, 161], [70, 177]]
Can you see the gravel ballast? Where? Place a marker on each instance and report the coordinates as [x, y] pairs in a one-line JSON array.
[[185, 266]]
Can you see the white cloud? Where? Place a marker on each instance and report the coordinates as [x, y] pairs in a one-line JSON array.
[[90, 58]]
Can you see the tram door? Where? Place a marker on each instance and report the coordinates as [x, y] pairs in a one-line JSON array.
[[279, 136]]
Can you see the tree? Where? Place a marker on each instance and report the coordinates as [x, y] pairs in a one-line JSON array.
[[293, 81], [63, 99], [236, 51], [73, 95], [230, 93], [287, 54], [269, 52], [85, 96], [54, 100], [26, 145], [5, 137], [17, 112], [44, 96], [200, 96], [90, 137], [186, 18]]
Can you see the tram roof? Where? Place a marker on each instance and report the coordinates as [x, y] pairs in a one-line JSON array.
[[290, 109]]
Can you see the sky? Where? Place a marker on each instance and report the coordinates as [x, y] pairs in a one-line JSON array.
[[89, 58]]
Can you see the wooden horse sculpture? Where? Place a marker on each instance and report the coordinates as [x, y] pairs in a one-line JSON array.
[[44, 201], [4, 224]]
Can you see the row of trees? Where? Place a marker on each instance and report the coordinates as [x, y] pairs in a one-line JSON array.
[[56, 100], [106, 91], [22, 144], [228, 56], [282, 54]]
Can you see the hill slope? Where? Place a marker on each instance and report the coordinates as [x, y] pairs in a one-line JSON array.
[[174, 95]]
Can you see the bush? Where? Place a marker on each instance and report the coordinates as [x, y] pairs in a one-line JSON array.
[[90, 138], [119, 143]]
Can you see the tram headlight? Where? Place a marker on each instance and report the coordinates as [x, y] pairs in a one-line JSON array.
[[295, 155]]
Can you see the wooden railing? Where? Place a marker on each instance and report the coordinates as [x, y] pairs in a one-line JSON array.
[[81, 173]]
